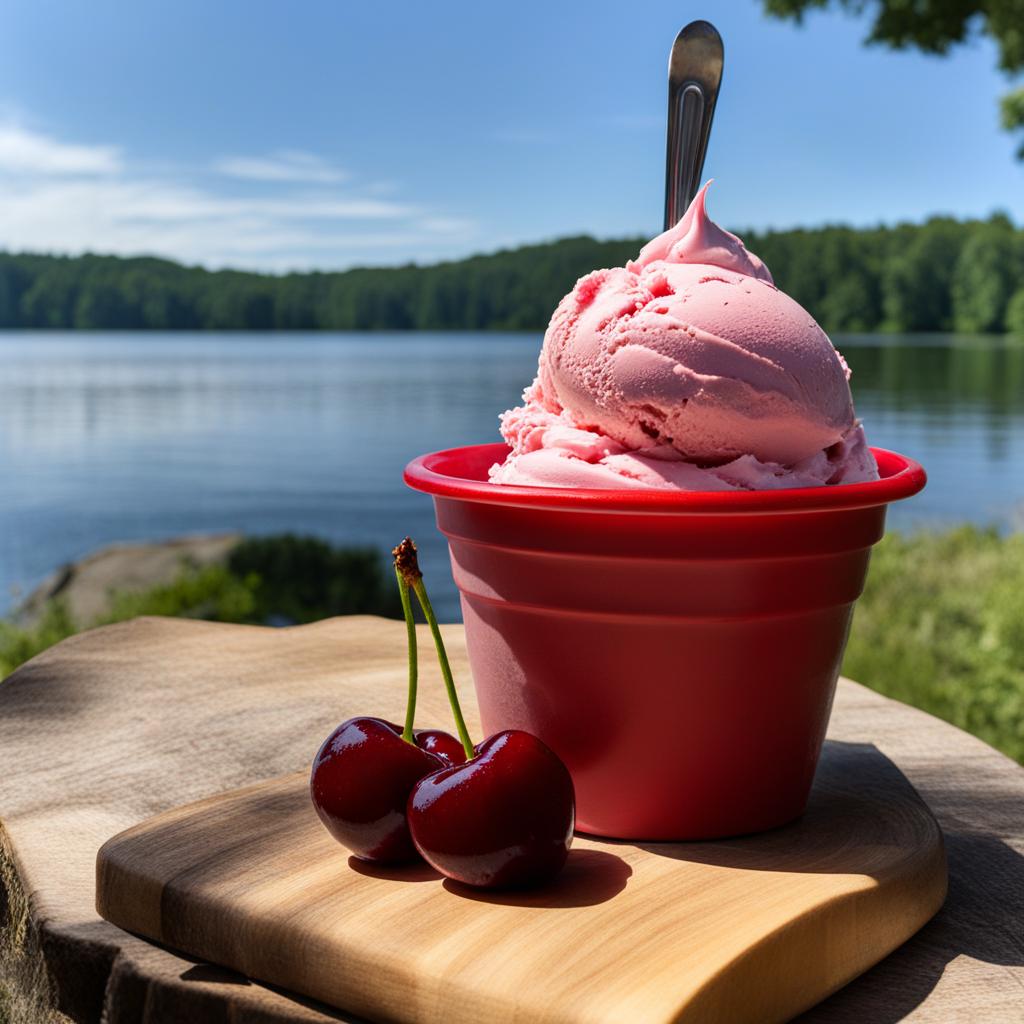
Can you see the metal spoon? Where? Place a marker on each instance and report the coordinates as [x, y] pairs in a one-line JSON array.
[[694, 76]]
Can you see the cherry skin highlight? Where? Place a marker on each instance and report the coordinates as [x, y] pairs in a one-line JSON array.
[[360, 784], [504, 819], [442, 743]]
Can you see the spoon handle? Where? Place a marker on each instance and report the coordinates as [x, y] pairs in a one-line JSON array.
[[694, 77]]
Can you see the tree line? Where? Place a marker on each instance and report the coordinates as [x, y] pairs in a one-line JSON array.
[[942, 275]]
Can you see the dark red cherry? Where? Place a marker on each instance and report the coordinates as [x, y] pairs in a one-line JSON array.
[[503, 819], [360, 784], [444, 744]]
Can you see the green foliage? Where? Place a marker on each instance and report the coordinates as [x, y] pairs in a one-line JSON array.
[[1011, 113], [918, 277], [941, 626], [213, 593], [269, 579], [924, 277], [935, 26], [984, 278], [18, 645], [1015, 312], [303, 579]]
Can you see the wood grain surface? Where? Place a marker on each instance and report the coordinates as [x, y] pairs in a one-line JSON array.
[[114, 726], [750, 931]]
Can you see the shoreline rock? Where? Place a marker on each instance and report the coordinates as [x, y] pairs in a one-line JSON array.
[[87, 584]]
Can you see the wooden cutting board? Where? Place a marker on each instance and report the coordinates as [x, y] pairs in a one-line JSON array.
[[754, 929]]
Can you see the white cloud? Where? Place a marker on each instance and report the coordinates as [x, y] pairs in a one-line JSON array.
[[285, 165], [446, 225], [23, 151], [56, 197]]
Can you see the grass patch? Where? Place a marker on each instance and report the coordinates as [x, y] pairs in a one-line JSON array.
[[941, 626], [18, 645]]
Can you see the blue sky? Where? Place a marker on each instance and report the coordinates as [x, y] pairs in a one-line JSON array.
[[325, 133]]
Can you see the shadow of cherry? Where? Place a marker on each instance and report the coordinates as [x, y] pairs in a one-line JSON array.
[[589, 877], [418, 872]]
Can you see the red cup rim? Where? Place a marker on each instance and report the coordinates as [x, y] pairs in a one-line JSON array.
[[461, 473]]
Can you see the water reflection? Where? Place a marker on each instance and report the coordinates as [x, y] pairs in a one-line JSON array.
[[957, 404], [944, 375]]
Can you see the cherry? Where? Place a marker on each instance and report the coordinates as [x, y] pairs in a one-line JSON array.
[[444, 744], [365, 770], [360, 785], [497, 816], [503, 819]]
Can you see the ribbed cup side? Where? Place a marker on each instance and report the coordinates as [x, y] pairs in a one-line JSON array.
[[683, 665]]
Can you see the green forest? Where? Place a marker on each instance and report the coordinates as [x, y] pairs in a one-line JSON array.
[[943, 275]]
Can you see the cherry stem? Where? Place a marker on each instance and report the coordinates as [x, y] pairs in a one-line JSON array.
[[410, 632], [446, 669]]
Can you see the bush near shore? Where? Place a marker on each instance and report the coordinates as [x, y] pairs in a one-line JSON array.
[[940, 625]]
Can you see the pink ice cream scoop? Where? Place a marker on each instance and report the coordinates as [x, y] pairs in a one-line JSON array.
[[688, 369]]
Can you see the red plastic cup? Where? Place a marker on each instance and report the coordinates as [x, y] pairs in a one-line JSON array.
[[678, 650]]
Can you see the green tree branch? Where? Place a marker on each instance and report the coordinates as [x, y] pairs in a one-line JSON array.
[[936, 26]]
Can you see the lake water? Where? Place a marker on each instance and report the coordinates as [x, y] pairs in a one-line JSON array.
[[109, 437]]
